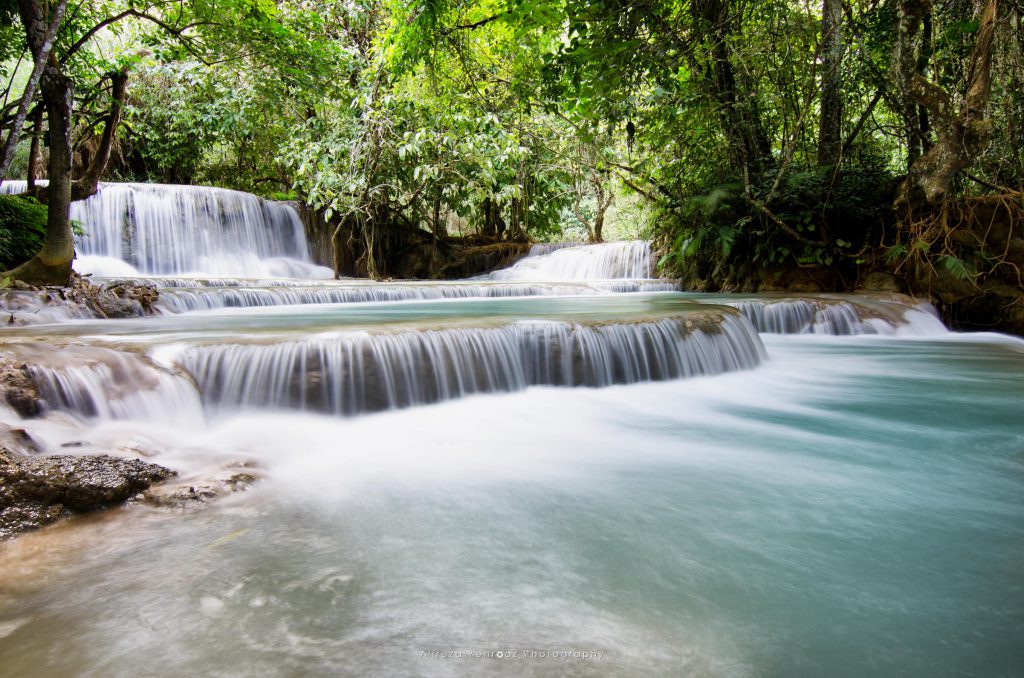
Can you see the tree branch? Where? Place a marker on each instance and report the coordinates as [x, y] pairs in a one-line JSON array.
[[89, 183], [475, 24]]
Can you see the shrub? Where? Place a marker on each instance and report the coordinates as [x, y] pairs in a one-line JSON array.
[[22, 229]]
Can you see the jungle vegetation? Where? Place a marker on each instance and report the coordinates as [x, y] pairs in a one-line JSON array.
[[760, 143]]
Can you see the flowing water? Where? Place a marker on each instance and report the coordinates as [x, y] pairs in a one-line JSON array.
[[572, 476], [157, 229]]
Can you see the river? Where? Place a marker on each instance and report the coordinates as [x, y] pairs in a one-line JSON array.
[[594, 477]]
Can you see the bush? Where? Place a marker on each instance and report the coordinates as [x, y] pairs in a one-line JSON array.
[[22, 229], [809, 218]]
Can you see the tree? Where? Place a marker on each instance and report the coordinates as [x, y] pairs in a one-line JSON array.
[[962, 130], [830, 131], [226, 30]]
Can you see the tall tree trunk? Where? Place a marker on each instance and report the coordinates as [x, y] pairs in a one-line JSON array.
[[494, 225], [33, 151], [749, 146], [52, 264], [436, 225], [88, 184], [830, 132], [604, 201], [906, 66]]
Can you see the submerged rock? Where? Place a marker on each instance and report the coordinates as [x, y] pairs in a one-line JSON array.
[[193, 491], [38, 490], [18, 440]]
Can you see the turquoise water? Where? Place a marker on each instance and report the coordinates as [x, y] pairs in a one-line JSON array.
[[853, 507]]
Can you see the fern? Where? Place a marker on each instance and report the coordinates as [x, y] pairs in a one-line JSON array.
[[955, 266], [895, 252]]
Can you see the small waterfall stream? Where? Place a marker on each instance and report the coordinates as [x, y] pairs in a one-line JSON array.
[[627, 259]]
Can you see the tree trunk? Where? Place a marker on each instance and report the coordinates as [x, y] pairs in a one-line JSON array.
[[494, 225], [436, 225], [906, 65], [960, 134], [41, 35], [830, 132], [604, 201], [88, 184], [739, 112], [33, 151], [52, 264]]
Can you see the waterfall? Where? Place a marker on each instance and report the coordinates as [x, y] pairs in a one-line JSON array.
[[627, 259], [543, 248], [800, 316], [161, 229], [109, 384], [196, 298], [837, 317], [353, 372]]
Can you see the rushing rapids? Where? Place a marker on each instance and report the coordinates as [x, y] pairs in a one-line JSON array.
[[370, 357], [700, 526], [181, 299], [108, 384], [836, 316]]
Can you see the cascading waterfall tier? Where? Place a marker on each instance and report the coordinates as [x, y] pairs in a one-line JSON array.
[[800, 316], [354, 372], [543, 248], [627, 259], [159, 229], [837, 316], [182, 299], [99, 382]]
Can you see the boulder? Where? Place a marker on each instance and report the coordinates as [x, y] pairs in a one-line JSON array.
[[38, 490], [19, 391]]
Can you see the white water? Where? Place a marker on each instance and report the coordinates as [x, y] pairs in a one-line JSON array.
[[106, 384], [158, 229], [626, 259], [799, 506], [181, 298], [833, 315], [541, 248], [352, 373], [849, 508]]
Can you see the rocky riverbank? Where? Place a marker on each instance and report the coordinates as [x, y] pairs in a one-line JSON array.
[[39, 490], [22, 304]]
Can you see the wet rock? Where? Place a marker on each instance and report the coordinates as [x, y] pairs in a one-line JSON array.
[[18, 440], [201, 490], [38, 490], [19, 391], [79, 299], [111, 306]]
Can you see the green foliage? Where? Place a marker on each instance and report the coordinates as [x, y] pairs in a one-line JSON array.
[[511, 117], [811, 217], [22, 229], [957, 267]]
